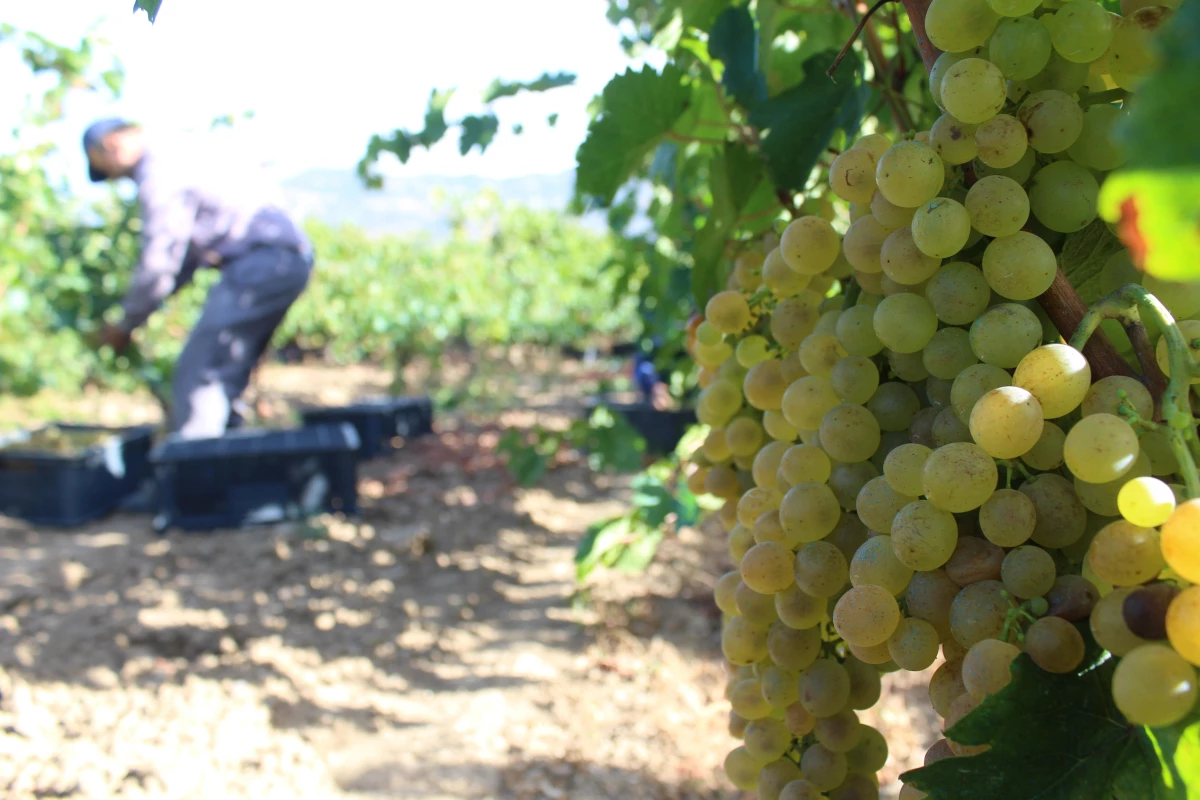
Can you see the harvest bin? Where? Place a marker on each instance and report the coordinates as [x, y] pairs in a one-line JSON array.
[[255, 476], [378, 422], [71, 488], [662, 430]]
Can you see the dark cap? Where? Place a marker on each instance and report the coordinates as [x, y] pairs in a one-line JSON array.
[[94, 135]]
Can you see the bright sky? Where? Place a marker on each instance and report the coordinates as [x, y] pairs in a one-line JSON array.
[[322, 77]]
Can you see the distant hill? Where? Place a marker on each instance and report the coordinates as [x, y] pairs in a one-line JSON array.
[[404, 205]]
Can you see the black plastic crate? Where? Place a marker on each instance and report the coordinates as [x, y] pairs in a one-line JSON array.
[[252, 477], [69, 490], [662, 430], [378, 422]]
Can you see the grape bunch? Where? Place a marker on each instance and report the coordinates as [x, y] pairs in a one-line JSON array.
[[914, 466]]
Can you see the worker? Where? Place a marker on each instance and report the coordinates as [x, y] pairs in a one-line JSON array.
[[203, 209]]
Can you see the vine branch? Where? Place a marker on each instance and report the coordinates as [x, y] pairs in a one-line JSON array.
[[862, 23]]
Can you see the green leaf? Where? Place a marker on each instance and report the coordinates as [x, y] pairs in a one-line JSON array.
[[1085, 256], [601, 539], [547, 81], [637, 555], [702, 14], [652, 499], [733, 40], [734, 175], [1178, 751], [477, 132], [1156, 196], [149, 6], [801, 122], [704, 117], [1051, 737], [639, 108]]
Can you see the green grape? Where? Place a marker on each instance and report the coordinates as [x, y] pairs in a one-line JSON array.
[[756, 502], [768, 528], [767, 568], [839, 732], [1181, 299], [928, 597], [949, 429], [1190, 329], [902, 468], [775, 776], [732, 371], [937, 391], [985, 668], [1108, 625], [766, 464], [1005, 334], [1020, 48], [1059, 74], [747, 699], [958, 293], [906, 322], [877, 505], [959, 477], [804, 463], [764, 385], [903, 261], [856, 331], [865, 685], [1131, 54], [728, 312], [1047, 454], [752, 350], [1101, 498], [1124, 554], [1014, 8], [870, 754], [846, 481], [824, 688], [1006, 422], [779, 686], [866, 616], [1153, 685], [758, 609], [782, 280], [863, 243], [849, 433], [852, 176], [875, 564], [1058, 375], [849, 535], [908, 366], [821, 569], [874, 143], [767, 739], [1007, 518], [794, 318], [893, 404], [1081, 30], [940, 228], [1146, 501], [801, 790], [1157, 447], [809, 245], [914, 645], [1019, 171], [819, 352], [744, 436], [742, 769], [890, 215], [855, 379], [822, 767], [778, 428], [958, 25], [973, 90], [997, 206], [1097, 148], [1100, 448], [1107, 395], [798, 609], [743, 642], [807, 400], [1054, 644], [1183, 624], [798, 719], [1063, 196], [706, 334], [1061, 518], [923, 536], [1001, 142], [723, 591], [747, 270], [978, 612], [953, 140], [909, 174], [1052, 120], [948, 353], [809, 511], [1028, 571]]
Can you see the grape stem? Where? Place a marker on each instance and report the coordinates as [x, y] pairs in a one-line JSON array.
[[916, 16], [862, 23], [1128, 304]]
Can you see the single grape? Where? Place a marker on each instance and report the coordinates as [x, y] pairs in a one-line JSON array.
[[875, 564], [946, 686], [1007, 518], [975, 560], [803, 463], [1124, 554], [743, 642], [1145, 609], [893, 405], [1180, 544], [958, 293], [742, 769], [906, 322], [1020, 266], [779, 686], [839, 732], [865, 684], [767, 739], [822, 767], [908, 366], [1061, 518], [821, 569], [747, 699], [986, 667], [849, 433], [1001, 141], [1047, 454], [809, 511], [1052, 120], [979, 612], [953, 140], [758, 609], [846, 480], [1028, 571], [856, 331], [1020, 48], [870, 754], [958, 25], [909, 174], [764, 385], [728, 312], [1063, 196], [744, 436], [914, 644], [768, 528], [1059, 377], [1183, 624], [1004, 334], [998, 206], [1059, 74], [1147, 502], [973, 90], [1153, 685], [807, 400], [1097, 147], [1072, 597], [852, 175], [903, 467], [940, 228], [959, 477], [799, 610], [1190, 328], [782, 280], [795, 318], [863, 243], [809, 245], [949, 429], [923, 535], [767, 568], [824, 687], [855, 379], [1006, 422], [1014, 8], [902, 260], [775, 776], [1081, 30], [1107, 395], [874, 143], [819, 352], [1100, 448], [890, 215]]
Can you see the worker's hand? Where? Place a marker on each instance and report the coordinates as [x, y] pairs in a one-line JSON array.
[[114, 337]]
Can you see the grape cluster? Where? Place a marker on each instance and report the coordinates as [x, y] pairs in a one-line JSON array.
[[920, 467]]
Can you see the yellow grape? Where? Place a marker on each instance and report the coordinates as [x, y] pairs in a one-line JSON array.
[[1180, 540], [1147, 502]]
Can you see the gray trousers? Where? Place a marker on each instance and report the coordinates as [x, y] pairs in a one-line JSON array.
[[240, 315]]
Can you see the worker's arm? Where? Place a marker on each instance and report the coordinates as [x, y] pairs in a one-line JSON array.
[[167, 229]]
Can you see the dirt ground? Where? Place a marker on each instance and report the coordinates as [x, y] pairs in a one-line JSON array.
[[436, 647]]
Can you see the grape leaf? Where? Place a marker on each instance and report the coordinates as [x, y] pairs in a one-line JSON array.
[[1051, 737], [734, 174], [1178, 748], [149, 6], [1085, 256], [1155, 198], [733, 40], [477, 131], [639, 108], [799, 123], [545, 83]]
